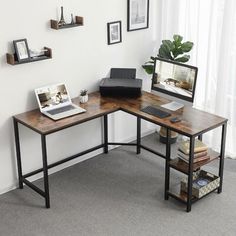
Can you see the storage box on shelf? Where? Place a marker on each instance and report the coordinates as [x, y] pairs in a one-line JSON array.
[[204, 183]]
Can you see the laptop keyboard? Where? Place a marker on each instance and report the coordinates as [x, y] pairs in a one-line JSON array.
[[61, 109]]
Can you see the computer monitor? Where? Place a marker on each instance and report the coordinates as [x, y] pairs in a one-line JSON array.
[[175, 79]]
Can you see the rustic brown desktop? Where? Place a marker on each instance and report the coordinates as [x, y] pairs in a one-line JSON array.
[[194, 123]]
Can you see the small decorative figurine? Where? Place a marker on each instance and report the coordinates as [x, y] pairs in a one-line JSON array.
[[62, 21], [72, 20]]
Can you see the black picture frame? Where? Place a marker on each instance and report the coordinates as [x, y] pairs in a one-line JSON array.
[[114, 32], [21, 50], [138, 15]]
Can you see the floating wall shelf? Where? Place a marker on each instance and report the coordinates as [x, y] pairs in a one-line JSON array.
[[11, 59], [79, 21]]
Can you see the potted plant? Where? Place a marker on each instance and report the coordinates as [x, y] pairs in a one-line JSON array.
[[175, 50], [149, 68], [172, 50], [83, 96]]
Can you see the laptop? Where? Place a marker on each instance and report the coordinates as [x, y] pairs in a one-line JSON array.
[[55, 102]]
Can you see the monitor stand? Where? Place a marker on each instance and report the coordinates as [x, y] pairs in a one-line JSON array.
[[173, 106]]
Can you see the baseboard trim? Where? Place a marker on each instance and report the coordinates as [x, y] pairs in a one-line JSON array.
[[8, 189]]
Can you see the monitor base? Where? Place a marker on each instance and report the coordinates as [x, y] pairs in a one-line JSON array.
[[173, 106]]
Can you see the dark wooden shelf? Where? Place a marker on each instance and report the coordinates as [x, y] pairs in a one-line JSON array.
[[79, 21], [12, 60], [182, 166], [181, 196]]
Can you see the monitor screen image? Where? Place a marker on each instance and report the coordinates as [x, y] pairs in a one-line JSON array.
[[174, 78]]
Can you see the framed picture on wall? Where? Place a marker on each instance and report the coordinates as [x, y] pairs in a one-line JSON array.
[[138, 14], [21, 49], [114, 32]]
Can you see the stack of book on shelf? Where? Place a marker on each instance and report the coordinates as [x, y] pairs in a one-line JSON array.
[[200, 151]]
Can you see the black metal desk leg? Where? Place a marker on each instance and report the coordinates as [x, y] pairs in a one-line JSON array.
[[105, 127], [200, 137], [222, 156], [18, 154], [167, 167], [190, 174], [45, 171], [138, 135]]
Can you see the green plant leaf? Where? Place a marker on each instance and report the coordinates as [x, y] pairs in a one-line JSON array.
[[174, 50], [148, 68], [168, 44], [177, 39], [183, 59], [177, 51], [164, 52], [187, 46]]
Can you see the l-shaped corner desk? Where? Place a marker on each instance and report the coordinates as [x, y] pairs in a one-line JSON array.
[[194, 123]]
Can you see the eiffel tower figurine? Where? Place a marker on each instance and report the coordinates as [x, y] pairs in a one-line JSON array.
[[72, 20], [62, 21]]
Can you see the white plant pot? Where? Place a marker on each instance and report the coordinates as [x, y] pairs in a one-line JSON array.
[[84, 99]]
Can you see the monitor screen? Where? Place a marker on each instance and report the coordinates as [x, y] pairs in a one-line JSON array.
[[175, 79]]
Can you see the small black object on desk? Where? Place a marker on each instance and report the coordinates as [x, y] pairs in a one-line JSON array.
[[175, 119], [122, 83]]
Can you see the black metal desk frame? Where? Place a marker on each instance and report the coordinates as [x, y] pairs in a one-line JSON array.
[[104, 145]]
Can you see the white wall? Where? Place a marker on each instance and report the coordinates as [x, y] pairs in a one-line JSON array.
[[81, 57]]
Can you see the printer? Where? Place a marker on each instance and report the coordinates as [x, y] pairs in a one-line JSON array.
[[122, 83]]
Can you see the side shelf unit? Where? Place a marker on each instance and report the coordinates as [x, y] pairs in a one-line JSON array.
[[190, 170], [183, 167], [79, 21], [11, 58]]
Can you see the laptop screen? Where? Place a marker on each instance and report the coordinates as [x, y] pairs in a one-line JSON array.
[[52, 97]]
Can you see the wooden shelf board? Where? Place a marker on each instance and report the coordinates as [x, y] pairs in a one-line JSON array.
[[66, 26], [79, 21], [181, 196], [41, 58], [33, 59], [11, 59], [182, 166]]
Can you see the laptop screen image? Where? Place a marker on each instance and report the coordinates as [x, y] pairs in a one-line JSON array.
[[53, 96]]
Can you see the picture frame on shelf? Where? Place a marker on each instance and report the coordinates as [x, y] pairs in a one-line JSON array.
[[21, 50], [114, 32], [138, 15]]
